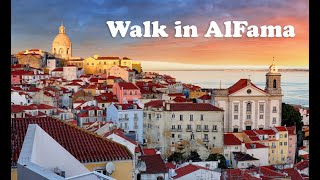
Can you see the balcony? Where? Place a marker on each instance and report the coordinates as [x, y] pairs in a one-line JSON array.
[[179, 130], [189, 130], [206, 130], [214, 130], [173, 130], [205, 140], [198, 130]]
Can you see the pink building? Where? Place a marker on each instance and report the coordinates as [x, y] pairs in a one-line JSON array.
[[16, 77], [122, 71], [292, 142], [126, 91]]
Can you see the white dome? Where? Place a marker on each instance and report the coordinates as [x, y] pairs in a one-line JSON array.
[[273, 68]]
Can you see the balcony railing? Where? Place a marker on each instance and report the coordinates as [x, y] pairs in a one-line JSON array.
[[214, 130], [189, 129], [173, 130], [179, 130], [198, 130], [206, 130]]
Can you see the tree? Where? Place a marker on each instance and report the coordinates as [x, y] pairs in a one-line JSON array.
[[291, 117], [176, 156], [194, 100], [216, 157], [194, 156]]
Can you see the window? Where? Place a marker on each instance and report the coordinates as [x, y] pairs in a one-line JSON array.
[[201, 117], [242, 164], [206, 127], [249, 105], [144, 114], [236, 108], [214, 137], [92, 64], [235, 117], [179, 126], [235, 130], [173, 127], [281, 151], [192, 136], [285, 136], [214, 128], [87, 64], [125, 92], [130, 92], [189, 126], [261, 108], [274, 120], [281, 136], [125, 125], [290, 139], [181, 117], [206, 136], [179, 135], [226, 155], [285, 143], [173, 116], [198, 127], [135, 93], [149, 115], [274, 109], [248, 127], [280, 143], [248, 116], [274, 83], [261, 116], [105, 71], [172, 135], [158, 116], [236, 147], [272, 151], [191, 117]]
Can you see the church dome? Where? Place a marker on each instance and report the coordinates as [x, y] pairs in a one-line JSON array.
[[273, 68], [61, 39]]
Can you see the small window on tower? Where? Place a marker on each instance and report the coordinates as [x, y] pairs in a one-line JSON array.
[[274, 83]]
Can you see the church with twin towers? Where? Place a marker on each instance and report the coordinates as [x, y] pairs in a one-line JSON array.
[[247, 106]]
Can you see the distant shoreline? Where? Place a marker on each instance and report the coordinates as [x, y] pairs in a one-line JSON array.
[[261, 70]]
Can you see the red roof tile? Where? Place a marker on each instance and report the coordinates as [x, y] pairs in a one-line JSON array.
[[73, 84], [156, 103], [269, 132], [120, 134], [291, 130], [175, 94], [42, 106], [149, 151], [154, 164], [83, 145], [293, 173], [270, 173], [107, 58], [254, 138], [255, 145], [242, 83], [187, 170], [127, 106], [170, 165], [58, 69], [180, 99], [205, 97], [230, 140], [193, 107], [281, 128], [127, 85], [250, 132], [302, 165]]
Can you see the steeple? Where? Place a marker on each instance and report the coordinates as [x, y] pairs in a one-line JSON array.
[[273, 80], [62, 28]]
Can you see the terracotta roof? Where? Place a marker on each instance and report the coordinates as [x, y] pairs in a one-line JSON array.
[[193, 107], [180, 99], [305, 156], [291, 130], [33, 89], [149, 151], [21, 72], [205, 97], [154, 164], [16, 88], [107, 58], [281, 128], [255, 145], [254, 138], [120, 134], [302, 165], [126, 106], [17, 108], [242, 83], [250, 132], [127, 85], [156, 103], [293, 173], [106, 98], [170, 165], [58, 69], [42, 106], [83, 145], [187, 170], [269, 132], [231, 140], [270, 173], [73, 84], [240, 156], [175, 94]]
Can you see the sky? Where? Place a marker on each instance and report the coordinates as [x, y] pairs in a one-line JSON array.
[[35, 23]]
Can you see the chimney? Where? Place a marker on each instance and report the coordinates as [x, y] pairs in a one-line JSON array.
[[168, 107], [248, 82]]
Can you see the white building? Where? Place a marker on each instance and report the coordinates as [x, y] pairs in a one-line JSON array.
[[192, 171], [258, 151], [247, 107], [119, 137], [71, 72], [242, 160], [167, 124], [128, 117], [52, 64], [21, 98], [231, 144]]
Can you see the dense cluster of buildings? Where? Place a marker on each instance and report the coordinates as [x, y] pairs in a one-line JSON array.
[[104, 118]]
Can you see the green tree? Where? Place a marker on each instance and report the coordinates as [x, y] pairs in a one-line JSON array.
[[291, 117], [177, 157], [216, 157], [194, 156]]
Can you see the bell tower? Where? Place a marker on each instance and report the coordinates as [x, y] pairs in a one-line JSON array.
[[273, 80]]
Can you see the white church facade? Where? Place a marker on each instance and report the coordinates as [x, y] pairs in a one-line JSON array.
[[247, 106]]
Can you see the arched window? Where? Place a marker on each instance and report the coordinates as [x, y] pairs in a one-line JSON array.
[[54, 50], [192, 136], [67, 51], [249, 107], [274, 83], [105, 71], [60, 51], [99, 70]]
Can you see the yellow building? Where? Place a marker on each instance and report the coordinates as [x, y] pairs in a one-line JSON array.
[[77, 61], [126, 62], [137, 66], [282, 135], [99, 64], [196, 94]]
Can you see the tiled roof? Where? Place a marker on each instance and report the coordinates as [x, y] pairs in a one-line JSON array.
[[261, 132], [291, 130], [42, 106], [149, 151], [154, 164], [240, 156], [281, 128], [73, 84], [254, 138], [58, 69], [106, 97], [22, 72], [302, 165], [230, 139], [255, 145], [120, 134], [33, 89], [250, 132], [127, 85], [193, 107], [17, 108], [170, 165], [270, 173], [180, 99], [107, 58], [293, 173], [205, 97], [126, 106], [242, 83], [83, 145], [156, 103], [187, 170], [269, 132], [175, 94]]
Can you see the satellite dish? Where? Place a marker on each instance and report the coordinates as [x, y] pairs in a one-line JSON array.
[[110, 167]]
